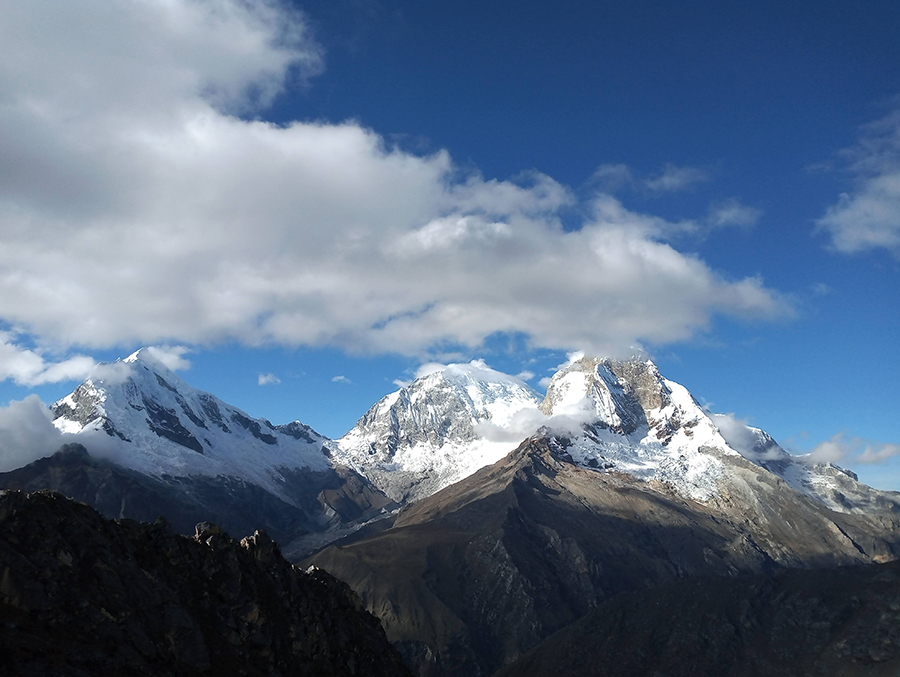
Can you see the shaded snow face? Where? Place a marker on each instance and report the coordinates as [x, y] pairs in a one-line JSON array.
[[155, 423]]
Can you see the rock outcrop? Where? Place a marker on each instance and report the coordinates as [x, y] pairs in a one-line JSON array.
[[82, 595]]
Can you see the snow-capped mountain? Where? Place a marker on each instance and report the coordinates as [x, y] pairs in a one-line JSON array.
[[142, 443], [633, 420], [440, 428], [159, 425], [609, 415]]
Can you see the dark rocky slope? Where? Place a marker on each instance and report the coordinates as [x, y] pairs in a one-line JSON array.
[[324, 500], [81, 595], [842, 622], [472, 577]]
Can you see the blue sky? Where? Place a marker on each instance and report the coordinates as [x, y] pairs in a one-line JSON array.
[[333, 193]]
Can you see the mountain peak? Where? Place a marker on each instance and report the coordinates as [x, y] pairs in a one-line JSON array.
[[429, 433], [139, 411], [609, 393]]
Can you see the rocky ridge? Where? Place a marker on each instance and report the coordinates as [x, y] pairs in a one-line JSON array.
[[82, 595]]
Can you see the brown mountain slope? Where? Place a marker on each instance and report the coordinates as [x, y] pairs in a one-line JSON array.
[[475, 575], [836, 622]]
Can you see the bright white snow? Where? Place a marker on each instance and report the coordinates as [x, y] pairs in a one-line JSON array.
[[142, 388]]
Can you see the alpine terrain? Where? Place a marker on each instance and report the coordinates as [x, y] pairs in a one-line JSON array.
[[474, 517], [144, 444], [626, 483]]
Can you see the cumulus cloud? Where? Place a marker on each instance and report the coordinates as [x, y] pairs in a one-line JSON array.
[[137, 207], [747, 440], [834, 450], [26, 433], [843, 447], [340, 379], [268, 379], [868, 216], [29, 368], [875, 453], [171, 357]]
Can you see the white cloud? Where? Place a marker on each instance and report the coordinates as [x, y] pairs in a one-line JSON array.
[[26, 433], [29, 368], [340, 379], [268, 379], [610, 178], [136, 208], [525, 375], [877, 452], [736, 432], [842, 447], [429, 368], [673, 179], [868, 216], [833, 450], [171, 357], [732, 213]]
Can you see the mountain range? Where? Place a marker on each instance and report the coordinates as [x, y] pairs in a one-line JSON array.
[[472, 515]]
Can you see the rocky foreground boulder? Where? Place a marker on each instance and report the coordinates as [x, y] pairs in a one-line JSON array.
[[83, 595]]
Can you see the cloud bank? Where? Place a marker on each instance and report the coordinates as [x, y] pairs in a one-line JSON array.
[[842, 447], [868, 216], [141, 202]]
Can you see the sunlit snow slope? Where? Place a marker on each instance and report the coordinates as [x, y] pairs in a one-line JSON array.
[[637, 422], [158, 425], [442, 427]]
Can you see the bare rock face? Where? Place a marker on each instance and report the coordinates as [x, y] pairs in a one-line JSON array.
[[81, 595], [843, 621]]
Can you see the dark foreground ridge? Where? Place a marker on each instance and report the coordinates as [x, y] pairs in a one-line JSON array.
[[843, 621], [82, 595]]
